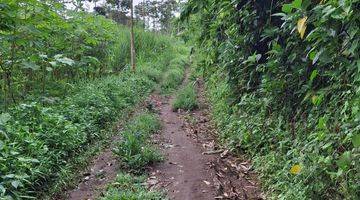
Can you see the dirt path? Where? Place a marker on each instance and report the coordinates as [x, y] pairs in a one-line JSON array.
[[196, 168], [103, 169], [187, 173]]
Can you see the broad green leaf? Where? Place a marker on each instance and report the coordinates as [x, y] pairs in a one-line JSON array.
[[356, 140], [297, 4], [57, 56], [344, 160], [287, 8], [322, 123], [53, 63], [314, 99], [312, 55], [15, 184], [43, 56], [66, 61], [4, 117]]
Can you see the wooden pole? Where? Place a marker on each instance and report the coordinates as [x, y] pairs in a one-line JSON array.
[[132, 37]]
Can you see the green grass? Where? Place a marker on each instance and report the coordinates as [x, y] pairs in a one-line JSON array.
[[129, 187], [135, 149], [186, 99]]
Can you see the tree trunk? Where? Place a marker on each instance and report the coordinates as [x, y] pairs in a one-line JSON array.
[[132, 38]]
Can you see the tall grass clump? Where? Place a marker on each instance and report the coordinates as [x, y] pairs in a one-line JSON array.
[[186, 99], [174, 75]]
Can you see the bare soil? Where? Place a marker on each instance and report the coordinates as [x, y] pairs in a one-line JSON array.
[[103, 170]]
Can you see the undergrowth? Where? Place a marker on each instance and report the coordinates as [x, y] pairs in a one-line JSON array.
[[186, 99]]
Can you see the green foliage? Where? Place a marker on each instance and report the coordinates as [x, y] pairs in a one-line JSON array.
[[134, 149], [128, 187], [283, 78], [38, 140], [186, 99], [45, 47]]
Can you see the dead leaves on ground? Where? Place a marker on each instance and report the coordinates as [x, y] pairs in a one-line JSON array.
[[234, 177]]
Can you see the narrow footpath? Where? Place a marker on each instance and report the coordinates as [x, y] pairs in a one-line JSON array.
[[187, 173], [196, 168]]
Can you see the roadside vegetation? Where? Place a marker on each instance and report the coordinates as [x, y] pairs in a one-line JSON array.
[[283, 80]]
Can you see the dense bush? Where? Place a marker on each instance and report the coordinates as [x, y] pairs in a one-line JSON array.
[[283, 77], [44, 47]]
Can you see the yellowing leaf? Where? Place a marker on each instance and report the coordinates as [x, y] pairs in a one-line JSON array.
[[301, 26], [314, 99], [295, 169]]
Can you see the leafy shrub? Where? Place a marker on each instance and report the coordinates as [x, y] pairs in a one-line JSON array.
[[186, 99], [134, 149], [128, 187]]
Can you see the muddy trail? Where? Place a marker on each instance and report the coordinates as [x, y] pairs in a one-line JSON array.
[[196, 168]]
